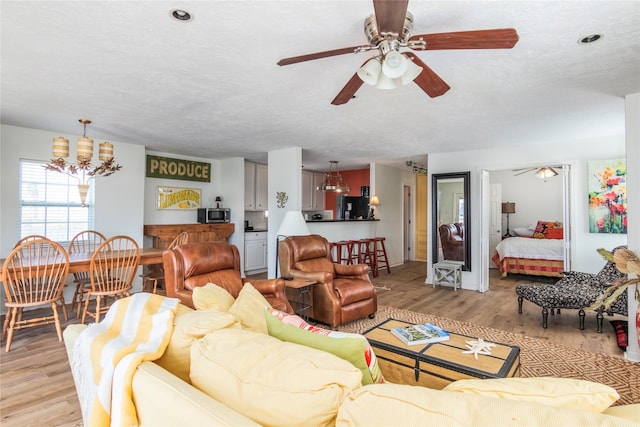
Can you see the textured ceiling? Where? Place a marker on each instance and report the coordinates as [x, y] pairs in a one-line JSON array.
[[211, 87]]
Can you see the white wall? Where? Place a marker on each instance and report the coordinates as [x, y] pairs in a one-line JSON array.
[[388, 184], [584, 245], [536, 199], [632, 128], [285, 175], [119, 207]]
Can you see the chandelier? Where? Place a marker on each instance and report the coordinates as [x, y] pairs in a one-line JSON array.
[[83, 170], [333, 180]]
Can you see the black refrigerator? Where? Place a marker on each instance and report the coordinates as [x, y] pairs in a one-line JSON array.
[[351, 207]]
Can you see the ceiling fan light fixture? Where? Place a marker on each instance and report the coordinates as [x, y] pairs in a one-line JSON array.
[[370, 71], [394, 64], [543, 173], [412, 72], [385, 82]]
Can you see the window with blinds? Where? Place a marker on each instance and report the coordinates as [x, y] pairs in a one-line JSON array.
[[50, 203]]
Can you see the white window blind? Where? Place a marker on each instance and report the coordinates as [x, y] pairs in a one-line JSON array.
[[50, 203]]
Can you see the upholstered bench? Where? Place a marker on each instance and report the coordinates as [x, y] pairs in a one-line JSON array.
[[576, 291]]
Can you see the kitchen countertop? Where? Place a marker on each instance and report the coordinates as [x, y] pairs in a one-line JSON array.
[[341, 220]]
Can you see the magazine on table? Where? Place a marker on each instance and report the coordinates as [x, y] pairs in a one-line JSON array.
[[420, 334]]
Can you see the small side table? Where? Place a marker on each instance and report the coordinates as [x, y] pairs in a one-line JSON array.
[[302, 303], [447, 273]]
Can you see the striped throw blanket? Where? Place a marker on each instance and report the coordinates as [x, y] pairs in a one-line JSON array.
[[106, 355]]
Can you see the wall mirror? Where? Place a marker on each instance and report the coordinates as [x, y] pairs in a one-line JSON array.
[[451, 218]]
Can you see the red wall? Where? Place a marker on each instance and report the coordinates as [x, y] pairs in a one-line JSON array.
[[354, 179]]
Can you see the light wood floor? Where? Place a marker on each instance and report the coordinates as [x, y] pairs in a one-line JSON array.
[[36, 387]]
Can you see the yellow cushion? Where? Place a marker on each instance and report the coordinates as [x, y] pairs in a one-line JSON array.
[[249, 307], [560, 392], [628, 412], [273, 382], [188, 326], [211, 297], [393, 404]]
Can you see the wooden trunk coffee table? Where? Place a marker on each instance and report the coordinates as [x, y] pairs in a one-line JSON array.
[[437, 364]]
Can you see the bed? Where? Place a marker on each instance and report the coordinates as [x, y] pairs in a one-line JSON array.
[[528, 255]]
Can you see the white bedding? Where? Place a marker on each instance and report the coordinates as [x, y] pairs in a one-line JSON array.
[[526, 247]]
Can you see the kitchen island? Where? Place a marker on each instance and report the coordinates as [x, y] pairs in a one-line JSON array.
[[335, 230]]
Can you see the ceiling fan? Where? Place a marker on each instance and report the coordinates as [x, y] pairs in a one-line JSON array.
[[540, 172], [388, 30]]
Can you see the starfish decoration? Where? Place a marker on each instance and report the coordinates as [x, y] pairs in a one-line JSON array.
[[479, 347]]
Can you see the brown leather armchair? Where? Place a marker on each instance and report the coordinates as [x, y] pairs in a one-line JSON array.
[[342, 293], [452, 239], [189, 266]]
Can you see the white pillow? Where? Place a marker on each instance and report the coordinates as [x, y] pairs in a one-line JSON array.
[[523, 232]]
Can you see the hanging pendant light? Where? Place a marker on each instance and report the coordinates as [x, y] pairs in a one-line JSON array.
[[333, 180], [83, 170]]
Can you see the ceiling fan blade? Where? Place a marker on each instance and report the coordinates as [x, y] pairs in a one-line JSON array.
[[428, 80], [524, 171], [390, 15], [347, 92], [503, 38], [317, 55]]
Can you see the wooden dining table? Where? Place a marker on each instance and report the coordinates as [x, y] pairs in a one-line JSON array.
[[81, 261]]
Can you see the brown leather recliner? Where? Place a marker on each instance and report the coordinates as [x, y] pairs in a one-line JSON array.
[[452, 239], [189, 266], [343, 293]]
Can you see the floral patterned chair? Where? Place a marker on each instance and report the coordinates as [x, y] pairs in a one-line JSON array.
[[575, 291]]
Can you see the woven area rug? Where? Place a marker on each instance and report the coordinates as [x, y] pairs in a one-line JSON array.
[[539, 358]]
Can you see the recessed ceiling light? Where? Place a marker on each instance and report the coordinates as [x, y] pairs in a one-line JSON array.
[[181, 15], [590, 39]]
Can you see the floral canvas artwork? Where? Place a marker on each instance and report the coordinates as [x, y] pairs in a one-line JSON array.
[[608, 196]]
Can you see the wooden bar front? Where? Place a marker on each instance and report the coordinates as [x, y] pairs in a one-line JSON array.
[[163, 234]]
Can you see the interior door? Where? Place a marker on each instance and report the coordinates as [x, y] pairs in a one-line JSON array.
[[495, 219]]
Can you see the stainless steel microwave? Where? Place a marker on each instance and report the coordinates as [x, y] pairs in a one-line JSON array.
[[213, 215]]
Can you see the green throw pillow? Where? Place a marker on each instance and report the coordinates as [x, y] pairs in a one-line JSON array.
[[347, 348]]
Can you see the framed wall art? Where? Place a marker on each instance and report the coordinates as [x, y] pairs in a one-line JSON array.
[[179, 198], [608, 196]]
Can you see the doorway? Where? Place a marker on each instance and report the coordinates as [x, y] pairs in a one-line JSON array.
[[535, 199]]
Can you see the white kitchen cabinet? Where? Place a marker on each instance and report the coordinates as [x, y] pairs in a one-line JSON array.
[[256, 186], [312, 198], [255, 251], [318, 195], [307, 190], [262, 187]]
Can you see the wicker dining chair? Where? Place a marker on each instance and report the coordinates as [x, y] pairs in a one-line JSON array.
[[155, 272], [112, 270], [86, 241], [35, 273]]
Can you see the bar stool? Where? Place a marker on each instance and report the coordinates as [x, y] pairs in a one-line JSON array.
[[334, 249], [380, 253], [366, 254], [353, 252], [339, 251]]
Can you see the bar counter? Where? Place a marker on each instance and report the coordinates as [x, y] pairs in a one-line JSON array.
[[335, 230]]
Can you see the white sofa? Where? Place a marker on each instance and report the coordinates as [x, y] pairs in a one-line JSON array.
[[235, 388]]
